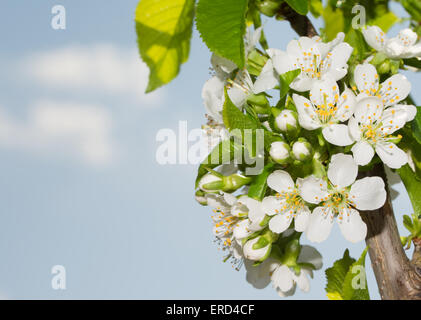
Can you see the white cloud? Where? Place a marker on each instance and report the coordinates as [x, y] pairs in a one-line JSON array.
[[102, 68], [61, 128]]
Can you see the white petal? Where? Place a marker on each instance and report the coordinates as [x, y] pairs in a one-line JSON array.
[[309, 254], [320, 225], [258, 276], [303, 281], [391, 155], [303, 83], [325, 48], [307, 116], [213, 97], [395, 89], [281, 61], [346, 105], [301, 220], [324, 92], [241, 230], [221, 64], [280, 181], [313, 189], [342, 170], [238, 96], [230, 198], [337, 134], [411, 111], [267, 79], [282, 278], [368, 193], [368, 110], [255, 208], [393, 119], [375, 37], [407, 37], [363, 152], [394, 49], [354, 129], [352, 226], [271, 205], [366, 78], [280, 222], [338, 61]]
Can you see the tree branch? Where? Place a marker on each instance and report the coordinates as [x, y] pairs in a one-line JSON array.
[[301, 24], [397, 277]]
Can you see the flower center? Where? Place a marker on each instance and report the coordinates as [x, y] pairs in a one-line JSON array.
[[291, 200]]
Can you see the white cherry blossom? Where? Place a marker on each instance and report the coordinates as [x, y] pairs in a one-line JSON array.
[[315, 59], [286, 205], [283, 278], [326, 109], [402, 46], [372, 127], [339, 198]]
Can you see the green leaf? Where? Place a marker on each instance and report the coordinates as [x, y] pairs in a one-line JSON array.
[[337, 273], [416, 126], [341, 279], [164, 29], [316, 8], [224, 152], [234, 118], [353, 278], [222, 26], [413, 62], [413, 187], [286, 79], [258, 186], [334, 22], [300, 6]]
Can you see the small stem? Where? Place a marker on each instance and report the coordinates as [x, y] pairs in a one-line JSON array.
[[301, 24]]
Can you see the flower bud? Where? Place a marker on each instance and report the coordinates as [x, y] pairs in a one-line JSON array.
[[279, 152], [287, 121], [302, 150], [257, 249], [259, 102], [384, 67], [210, 182]]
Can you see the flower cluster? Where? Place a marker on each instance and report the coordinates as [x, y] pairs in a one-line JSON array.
[[321, 140]]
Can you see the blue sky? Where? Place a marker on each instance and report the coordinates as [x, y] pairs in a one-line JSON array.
[[80, 186]]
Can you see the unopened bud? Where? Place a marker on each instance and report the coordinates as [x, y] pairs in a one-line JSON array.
[[255, 250], [200, 197], [279, 152], [302, 150], [287, 121]]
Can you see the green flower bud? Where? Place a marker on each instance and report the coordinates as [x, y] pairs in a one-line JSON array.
[[234, 182], [302, 150], [214, 181], [268, 7], [384, 67], [287, 122], [211, 182], [280, 152]]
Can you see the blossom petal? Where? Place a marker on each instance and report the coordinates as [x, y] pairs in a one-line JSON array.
[[302, 83], [255, 208], [366, 78], [324, 92], [395, 89], [301, 219], [312, 189], [368, 110], [307, 116], [267, 78], [352, 226], [337, 134], [375, 37], [258, 276], [411, 111], [280, 181], [302, 281], [368, 193], [363, 152], [282, 278], [213, 97], [271, 205], [391, 155], [241, 230], [280, 222], [354, 129], [320, 224], [342, 170], [337, 66], [309, 254], [346, 105], [222, 65], [393, 119], [281, 61]]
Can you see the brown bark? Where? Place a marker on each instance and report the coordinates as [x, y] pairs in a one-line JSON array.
[[301, 24], [397, 277]]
